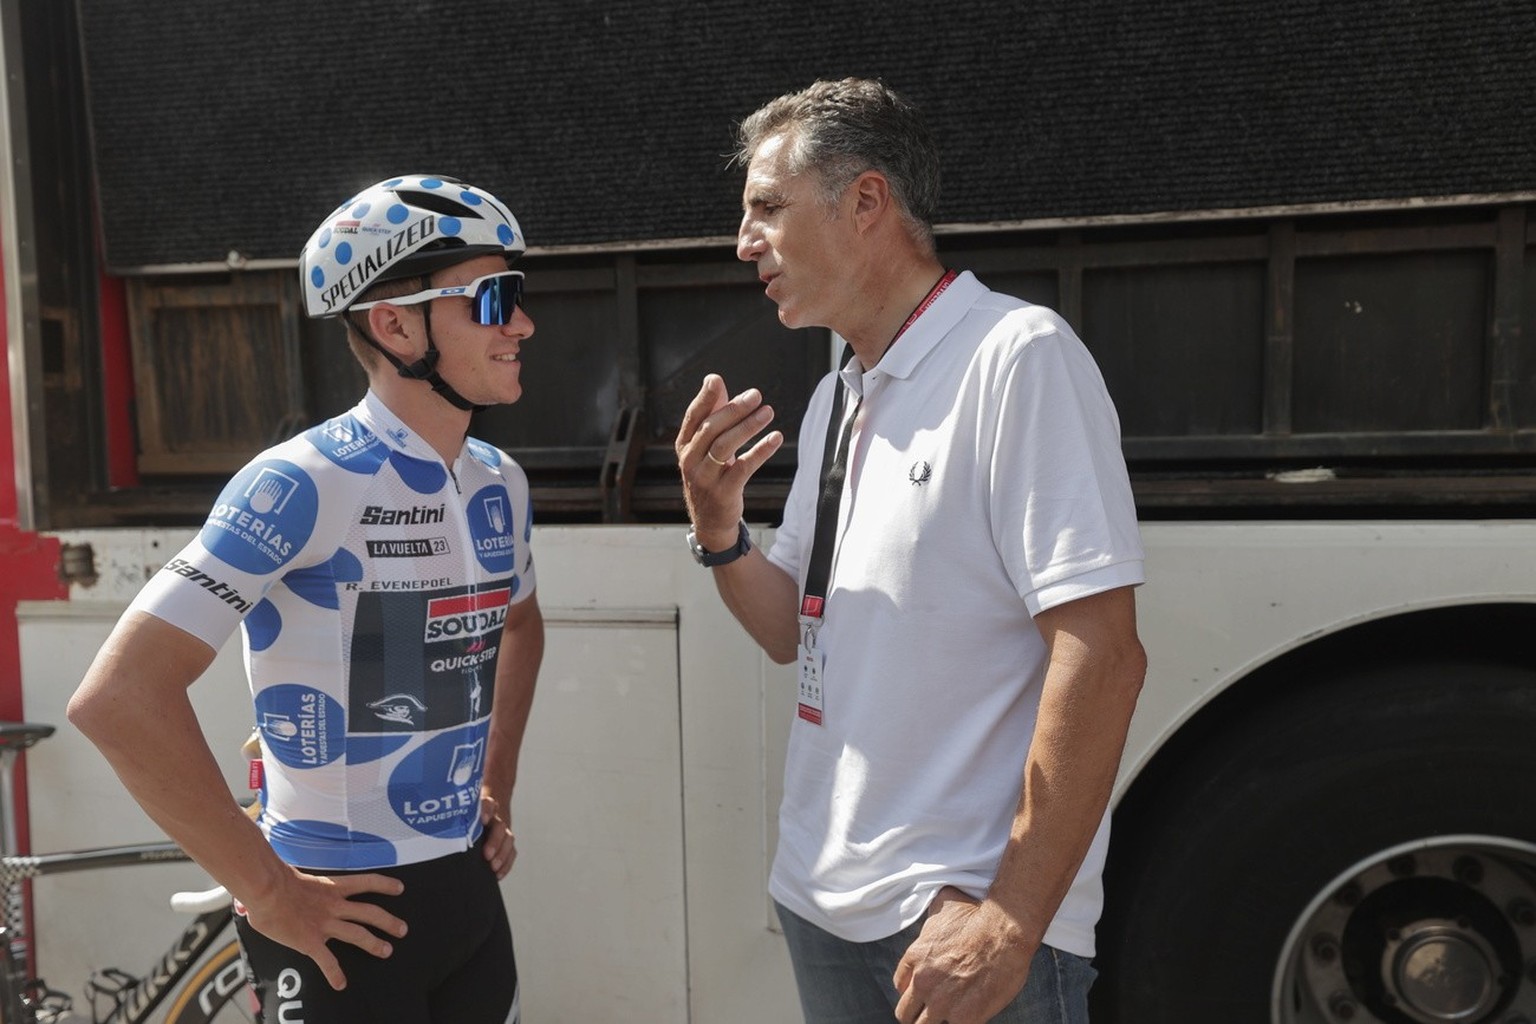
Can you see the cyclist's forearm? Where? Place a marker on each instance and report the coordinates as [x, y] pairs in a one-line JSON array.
[[133, 705]]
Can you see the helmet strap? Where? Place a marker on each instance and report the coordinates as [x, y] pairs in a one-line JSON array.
[[425, 368]]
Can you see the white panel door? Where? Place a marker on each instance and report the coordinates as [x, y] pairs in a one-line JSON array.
[[596, 896]]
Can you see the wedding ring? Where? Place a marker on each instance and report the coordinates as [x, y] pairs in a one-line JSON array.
[[711, 457]]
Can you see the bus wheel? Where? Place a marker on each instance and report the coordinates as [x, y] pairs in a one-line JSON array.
[[1361, 850]]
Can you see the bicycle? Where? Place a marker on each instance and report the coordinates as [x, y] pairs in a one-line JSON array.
[[199, 979]]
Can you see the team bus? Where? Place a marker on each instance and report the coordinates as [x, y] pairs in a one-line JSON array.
[[1321, 341]]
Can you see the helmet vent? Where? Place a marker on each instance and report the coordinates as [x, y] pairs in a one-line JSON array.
[[437, 203]]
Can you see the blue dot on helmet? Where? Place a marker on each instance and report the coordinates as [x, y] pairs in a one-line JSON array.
[[324, 239], [344, 253], [397, 213], [316, 276], [431, 183], [392, 182], [506, 234], [361, 210], [468, 198], [449, 225]]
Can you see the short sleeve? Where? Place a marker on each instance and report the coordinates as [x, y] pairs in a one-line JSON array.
[[268, 521], [1064, 519]]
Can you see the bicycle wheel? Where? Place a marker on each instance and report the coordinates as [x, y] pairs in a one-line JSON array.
[[218, 992]]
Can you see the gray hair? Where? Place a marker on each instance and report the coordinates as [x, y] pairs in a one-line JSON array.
[[842, 129]]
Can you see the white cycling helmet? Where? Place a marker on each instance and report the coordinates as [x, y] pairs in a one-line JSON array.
[[403, 227]]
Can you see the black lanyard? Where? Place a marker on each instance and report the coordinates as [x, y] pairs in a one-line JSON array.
[[834, 470]]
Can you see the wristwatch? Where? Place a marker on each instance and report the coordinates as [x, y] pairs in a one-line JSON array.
[[710, 559]]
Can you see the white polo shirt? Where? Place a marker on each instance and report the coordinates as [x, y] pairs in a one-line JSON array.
[[986, 485]]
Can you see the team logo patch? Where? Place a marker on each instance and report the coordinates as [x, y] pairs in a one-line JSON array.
[[484, 452], [263, 518], [214, 586], [490, 526], [303, 727], [477, 653], [415, 515], [466, 615], [399, 708], [405, 547], [348, 444], [435, 789]]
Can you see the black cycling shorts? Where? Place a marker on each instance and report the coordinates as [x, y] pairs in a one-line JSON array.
[[454, 966]]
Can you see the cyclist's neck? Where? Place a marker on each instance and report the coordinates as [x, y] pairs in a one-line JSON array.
[[441, 425]]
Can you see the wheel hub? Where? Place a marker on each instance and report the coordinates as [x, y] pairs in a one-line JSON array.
[[1437, 932], [1441, 971]]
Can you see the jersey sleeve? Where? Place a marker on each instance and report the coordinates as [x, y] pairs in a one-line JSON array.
[[269, 520], [1063, 516]]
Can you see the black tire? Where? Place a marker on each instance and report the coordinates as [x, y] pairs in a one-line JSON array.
[[10, 994], [217, 992], [1255, 826]]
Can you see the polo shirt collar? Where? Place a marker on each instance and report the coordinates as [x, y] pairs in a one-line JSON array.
[[902, 358]]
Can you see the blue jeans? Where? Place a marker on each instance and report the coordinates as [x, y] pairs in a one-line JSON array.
[[844, 982]]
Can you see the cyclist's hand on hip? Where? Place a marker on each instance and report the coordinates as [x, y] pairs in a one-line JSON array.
[[500, 845], [313, 909]]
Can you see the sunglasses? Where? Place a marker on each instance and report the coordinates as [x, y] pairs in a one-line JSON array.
[[493, 298]]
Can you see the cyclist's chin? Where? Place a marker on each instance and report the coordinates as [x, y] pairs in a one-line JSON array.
[[502, 392], [504, 386]]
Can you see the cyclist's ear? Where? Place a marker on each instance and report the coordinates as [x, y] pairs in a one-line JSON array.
[[397, 329]]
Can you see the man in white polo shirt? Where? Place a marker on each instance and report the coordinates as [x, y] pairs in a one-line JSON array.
[[954, 578]]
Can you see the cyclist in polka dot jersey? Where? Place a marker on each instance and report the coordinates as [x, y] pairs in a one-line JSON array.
[[379, 566]]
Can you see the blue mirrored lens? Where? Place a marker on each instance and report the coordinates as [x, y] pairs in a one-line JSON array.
[[496, 299]]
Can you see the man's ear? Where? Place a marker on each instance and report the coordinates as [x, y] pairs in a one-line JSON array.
[[394, 328], [872, 199]]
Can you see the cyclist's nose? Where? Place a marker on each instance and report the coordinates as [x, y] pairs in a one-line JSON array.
[[520, 326]]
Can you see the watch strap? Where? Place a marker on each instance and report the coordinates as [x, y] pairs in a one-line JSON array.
[[710, 559]]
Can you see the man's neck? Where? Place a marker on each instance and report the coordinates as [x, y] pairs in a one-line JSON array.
[[893, 293]]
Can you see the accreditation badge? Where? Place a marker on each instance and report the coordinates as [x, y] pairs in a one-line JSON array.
[[811, 660]]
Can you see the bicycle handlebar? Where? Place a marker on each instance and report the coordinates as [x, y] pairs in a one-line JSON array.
[[16, 736], [200, 902]]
